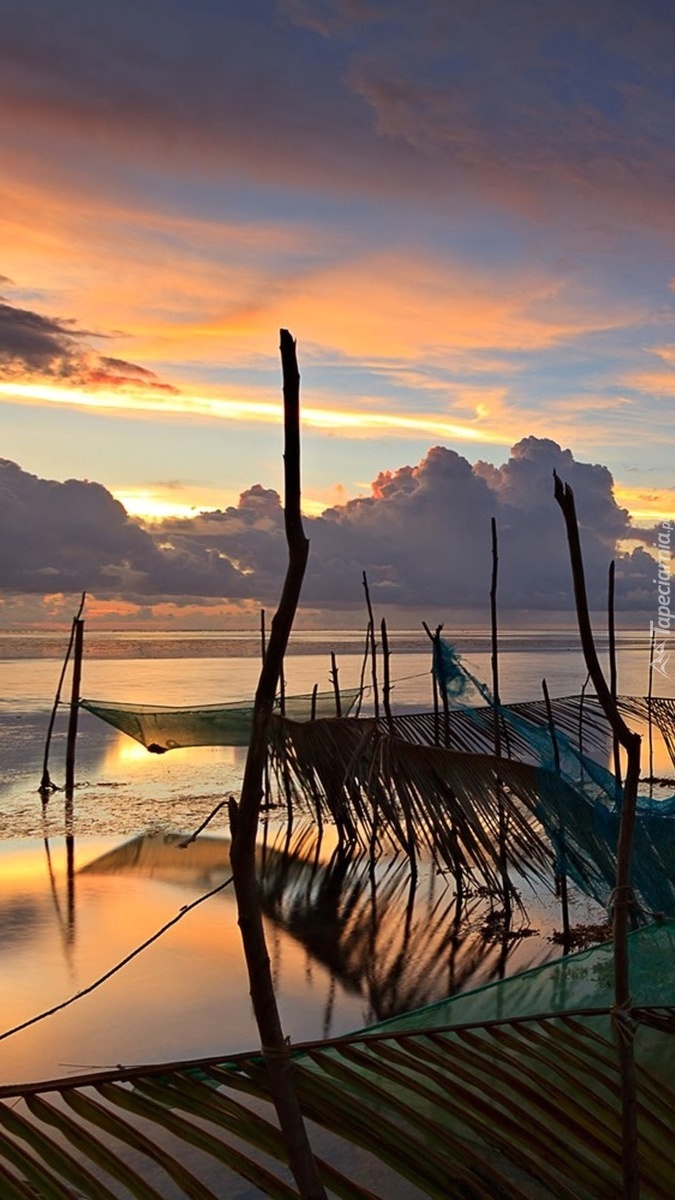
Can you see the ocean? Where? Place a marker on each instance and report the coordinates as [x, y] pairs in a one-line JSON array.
[[79, 892]]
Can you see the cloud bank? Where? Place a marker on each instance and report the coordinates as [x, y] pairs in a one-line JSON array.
[[422, 536]]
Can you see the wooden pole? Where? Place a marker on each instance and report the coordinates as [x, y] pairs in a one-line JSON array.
[[386, 690], [616, 748], [244, 817], [46, 785], [336, 686], [562, 864], [650, 731], [71, 743], [373, 648], [74, 708], [434, 638], [496, 701], [623, 894]]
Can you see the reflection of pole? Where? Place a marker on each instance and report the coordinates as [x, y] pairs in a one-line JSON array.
[[70, 877]]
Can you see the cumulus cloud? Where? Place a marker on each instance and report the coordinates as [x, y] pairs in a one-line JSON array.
[[74, 536], [422, 536], [36, 346]]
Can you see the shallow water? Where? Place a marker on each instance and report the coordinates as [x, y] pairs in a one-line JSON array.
[[79, 891], [349, 946]]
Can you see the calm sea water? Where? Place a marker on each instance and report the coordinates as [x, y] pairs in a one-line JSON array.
[[347, 947]]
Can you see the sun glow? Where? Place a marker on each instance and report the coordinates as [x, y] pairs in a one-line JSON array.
[[358, 422], [151, 506], [647, 504]]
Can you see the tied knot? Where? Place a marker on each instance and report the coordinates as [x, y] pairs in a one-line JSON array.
[[623, 895], [623, 1021], [278, 1053]]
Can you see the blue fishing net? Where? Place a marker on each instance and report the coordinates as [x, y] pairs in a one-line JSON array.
[[582, 818]]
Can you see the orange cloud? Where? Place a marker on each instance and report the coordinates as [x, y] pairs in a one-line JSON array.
[[646, 505]]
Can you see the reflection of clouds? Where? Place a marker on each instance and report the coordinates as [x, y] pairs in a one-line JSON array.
[[21, 916], [395, 944]]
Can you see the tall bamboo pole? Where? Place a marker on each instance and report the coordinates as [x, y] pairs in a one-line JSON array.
[[623, 896], [562, 863], [244, 817], [74, 708], [336, 685], [650, 730], [616, 748], [496, 701], [373, 647], [386, 689], [430, 635], [71, 742], [46, 785]]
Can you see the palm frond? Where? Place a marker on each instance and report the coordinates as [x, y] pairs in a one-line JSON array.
[[423, 799], [481, 1110]]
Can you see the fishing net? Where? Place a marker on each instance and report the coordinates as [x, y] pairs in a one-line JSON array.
[[584, 830], [573, 982], [161, 728]]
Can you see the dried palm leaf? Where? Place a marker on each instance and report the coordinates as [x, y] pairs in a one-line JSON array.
[[511, 1108]]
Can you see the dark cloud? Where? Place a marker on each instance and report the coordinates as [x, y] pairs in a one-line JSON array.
[[74, 536], [422, 536], [33, 345]]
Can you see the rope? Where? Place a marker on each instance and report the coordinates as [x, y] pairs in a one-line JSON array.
[[278, 1053], [623, 1021], [118, 966]]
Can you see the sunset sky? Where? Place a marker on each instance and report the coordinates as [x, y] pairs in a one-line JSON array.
[[462, 211]]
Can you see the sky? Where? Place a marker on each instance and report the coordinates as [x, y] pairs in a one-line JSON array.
[[462, 212]]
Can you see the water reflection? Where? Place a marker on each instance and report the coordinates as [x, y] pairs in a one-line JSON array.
[[396, 941]]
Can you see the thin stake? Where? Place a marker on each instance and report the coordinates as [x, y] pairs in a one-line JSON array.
[[336, 686], [623, 894], [434, 638], [386, 691], [616, 749], [501, 810], [364, 664], [650, 731], [74, 708], [373, 648], [581, 730], [562, 865], [46, 784]]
